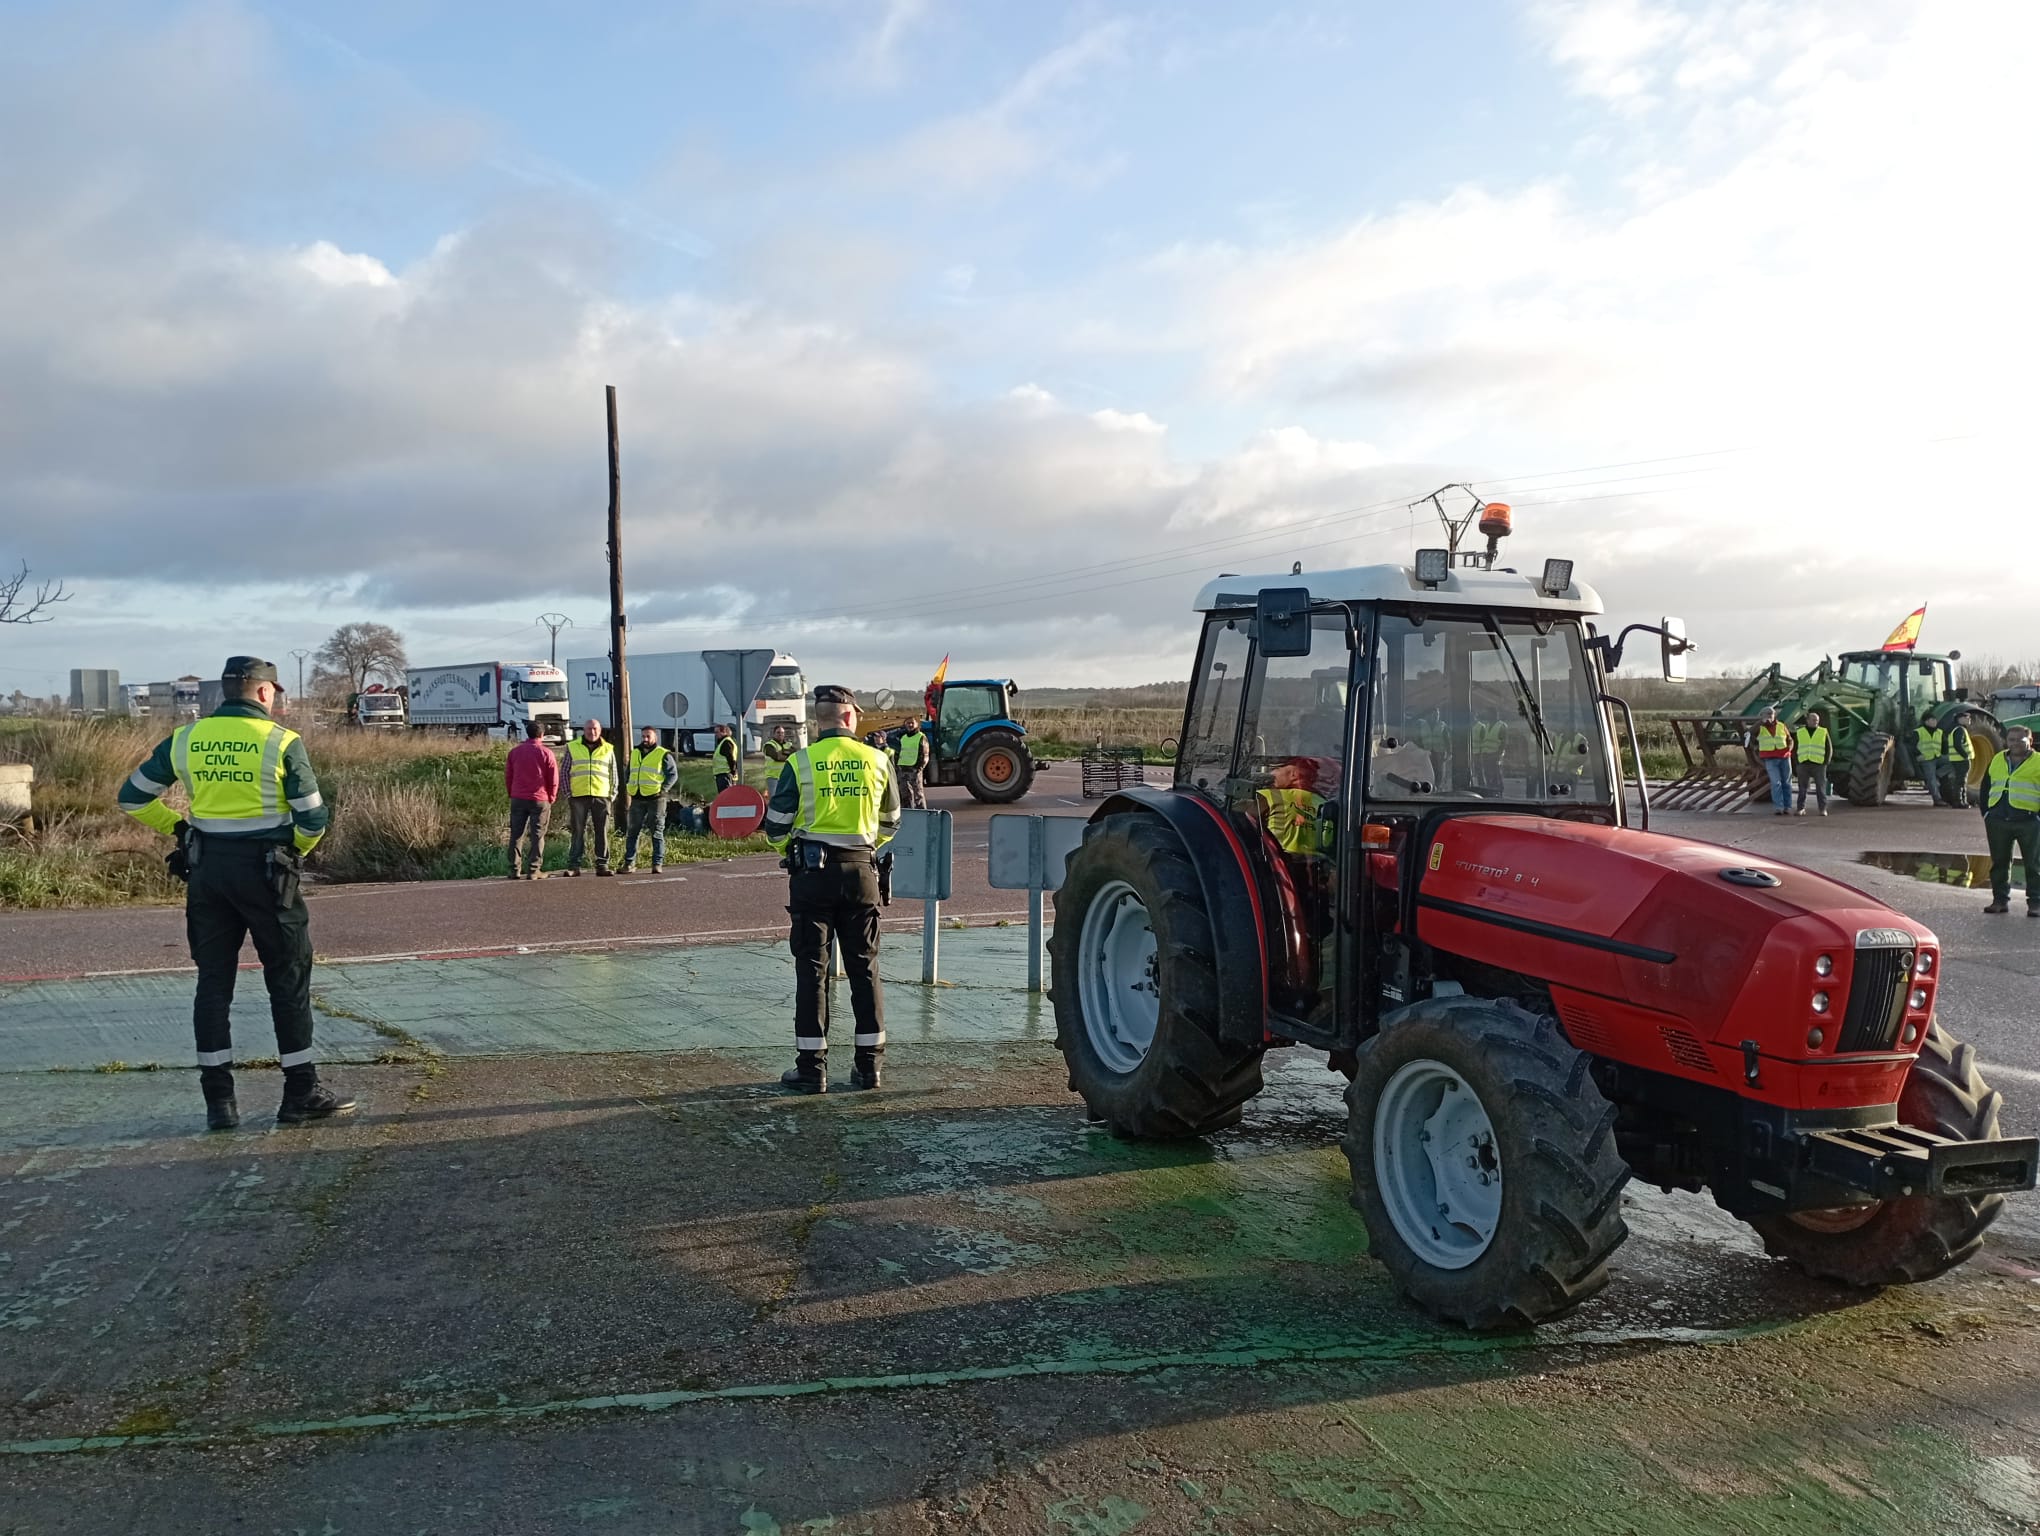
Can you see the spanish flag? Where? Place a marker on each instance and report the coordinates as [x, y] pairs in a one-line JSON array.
[[933, 696], [1907, 635]]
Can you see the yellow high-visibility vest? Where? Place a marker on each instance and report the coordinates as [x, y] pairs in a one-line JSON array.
[[591, 771], [648, 771], [1487, 738], [1929, 744], [233, 767], [1773, 738], [1812, 745], [726, 755], [913, 747], [841, 784], [2018, 787], [1291, 816]]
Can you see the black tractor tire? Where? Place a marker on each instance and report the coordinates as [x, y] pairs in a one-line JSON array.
[[1192, 1078], [1552, 1147], [1985, 742], [997, 769], [1902, 1242], [1870, 768]]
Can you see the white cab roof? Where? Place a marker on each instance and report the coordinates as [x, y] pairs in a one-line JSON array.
[[1463, 588]]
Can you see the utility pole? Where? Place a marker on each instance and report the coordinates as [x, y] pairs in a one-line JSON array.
[[297, 699], [619, 678], [555, 622]]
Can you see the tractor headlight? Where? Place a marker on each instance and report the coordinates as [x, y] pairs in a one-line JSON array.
[[1557, 577], [1433, 566], [1918, 998], [1924, 966], [1824, 966], [1820, 1002]]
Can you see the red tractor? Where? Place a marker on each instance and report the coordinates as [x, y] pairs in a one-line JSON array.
[[1397, 834]]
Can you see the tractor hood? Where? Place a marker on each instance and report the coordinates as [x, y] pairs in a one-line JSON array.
[[1718, 941]]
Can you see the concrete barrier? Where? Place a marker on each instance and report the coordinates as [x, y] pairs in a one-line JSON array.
[[15, 781]]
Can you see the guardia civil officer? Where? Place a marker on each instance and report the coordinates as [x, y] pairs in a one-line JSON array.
[[836, 804], [255, 812]]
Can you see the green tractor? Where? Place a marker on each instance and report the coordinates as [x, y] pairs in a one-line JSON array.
[[2017, 705], [1872, 702]]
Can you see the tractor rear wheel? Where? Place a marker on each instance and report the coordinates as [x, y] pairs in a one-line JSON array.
[[1985, 742], [1136, 988], [1870, 768], [997, 769], [1484, 1163], [1902, 1242]]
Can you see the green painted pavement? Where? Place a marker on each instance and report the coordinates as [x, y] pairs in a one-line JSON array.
[[729, 996]]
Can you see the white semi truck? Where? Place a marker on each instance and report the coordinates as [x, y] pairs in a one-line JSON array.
[[492, 698], [674, 692]]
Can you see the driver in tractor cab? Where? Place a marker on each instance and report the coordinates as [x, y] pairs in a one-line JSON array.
[[1290, 809], [1293, 815]]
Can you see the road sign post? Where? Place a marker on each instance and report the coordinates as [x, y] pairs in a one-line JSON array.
[[921, 851], [1029, 853]]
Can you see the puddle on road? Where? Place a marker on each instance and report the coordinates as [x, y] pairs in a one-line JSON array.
[[1961, 869]]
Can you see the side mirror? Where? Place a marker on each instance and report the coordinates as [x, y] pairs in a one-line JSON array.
[[1674, 647], [1282, 621]]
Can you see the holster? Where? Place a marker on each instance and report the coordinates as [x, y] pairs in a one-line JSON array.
[[885, 862]]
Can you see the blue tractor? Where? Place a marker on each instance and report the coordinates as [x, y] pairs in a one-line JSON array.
[[974, 741]]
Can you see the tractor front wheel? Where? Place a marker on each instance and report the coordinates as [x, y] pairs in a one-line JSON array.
[[998, 770], [1902, 1242], [1870, 768], [1136, 989], [1484, 1163]]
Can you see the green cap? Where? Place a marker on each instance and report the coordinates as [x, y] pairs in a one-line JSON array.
[[248, 669]]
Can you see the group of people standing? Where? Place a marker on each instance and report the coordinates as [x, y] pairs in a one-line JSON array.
[[533, 774], [1943, 757]]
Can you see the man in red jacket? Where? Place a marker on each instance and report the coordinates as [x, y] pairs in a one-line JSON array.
[[532, 775]]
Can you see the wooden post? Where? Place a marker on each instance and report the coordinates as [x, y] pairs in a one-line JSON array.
[[619, 676]]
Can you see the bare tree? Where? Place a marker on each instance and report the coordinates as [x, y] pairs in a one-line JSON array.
[[17, 606], [362, 653]]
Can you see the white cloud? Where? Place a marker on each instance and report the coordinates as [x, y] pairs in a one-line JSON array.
[[343, 269]]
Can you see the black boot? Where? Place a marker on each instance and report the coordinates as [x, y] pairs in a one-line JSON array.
[[306, 1098], [808, 1074], [217, 1084], [867, 1069]]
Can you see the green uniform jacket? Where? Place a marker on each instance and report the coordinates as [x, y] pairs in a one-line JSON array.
[[141, 795]]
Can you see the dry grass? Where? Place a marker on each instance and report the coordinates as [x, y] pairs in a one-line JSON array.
[[1153, 729], [385, 831]]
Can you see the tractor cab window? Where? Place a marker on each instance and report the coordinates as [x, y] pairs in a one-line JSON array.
[[1927, 685], [1286, 794], [1212, 720], [963, 706], [1484, 709], [1873, 672]]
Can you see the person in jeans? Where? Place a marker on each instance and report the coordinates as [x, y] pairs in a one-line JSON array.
[[653, 774], [1812, 747], [532, 776], [2011, 819], [591, 785], [1772, 743]]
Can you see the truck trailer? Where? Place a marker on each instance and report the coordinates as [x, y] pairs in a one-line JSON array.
[[489, 698], [673, 692]]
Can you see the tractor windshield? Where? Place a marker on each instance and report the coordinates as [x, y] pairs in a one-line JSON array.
[[1458, 708]]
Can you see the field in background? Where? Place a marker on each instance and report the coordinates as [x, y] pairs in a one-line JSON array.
[[407, 805]]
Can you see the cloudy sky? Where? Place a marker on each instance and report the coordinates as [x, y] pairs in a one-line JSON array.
[[994, 329]]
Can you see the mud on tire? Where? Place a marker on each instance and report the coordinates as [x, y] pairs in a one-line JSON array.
[[1191, 1079], [1560, 1216], [1902, 1242]]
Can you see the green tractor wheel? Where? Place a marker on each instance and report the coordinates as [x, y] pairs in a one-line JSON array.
[[1868, 774]]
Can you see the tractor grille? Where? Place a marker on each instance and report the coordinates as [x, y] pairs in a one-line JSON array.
[[1876, 1000]]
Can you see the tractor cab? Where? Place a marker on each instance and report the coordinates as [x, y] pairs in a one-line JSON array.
[[1918, 683], [1380, 707]]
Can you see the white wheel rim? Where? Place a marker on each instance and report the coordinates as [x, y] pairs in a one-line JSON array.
[[1119, 981], [1437, 1165]]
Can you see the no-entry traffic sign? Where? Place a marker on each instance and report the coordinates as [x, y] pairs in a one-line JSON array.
[[737, 812]]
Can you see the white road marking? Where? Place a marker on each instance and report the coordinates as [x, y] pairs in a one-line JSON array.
[[1993, 1069]]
